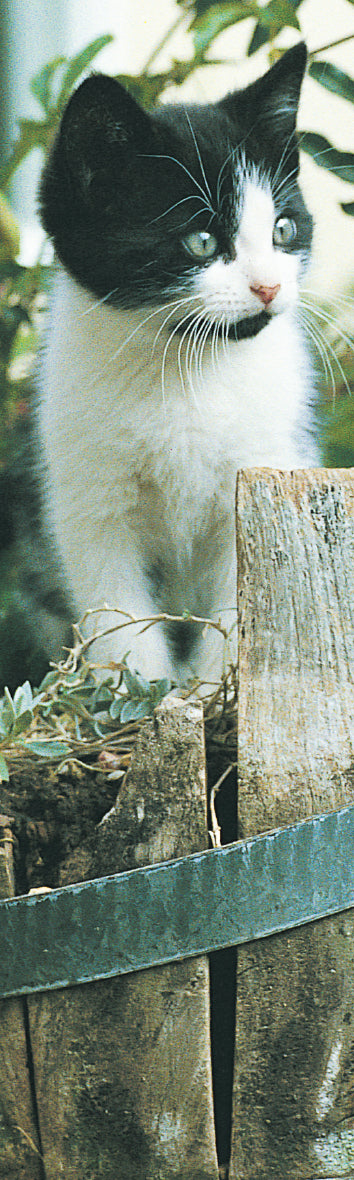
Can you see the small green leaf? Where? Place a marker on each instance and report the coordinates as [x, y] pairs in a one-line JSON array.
[[198, 6], [116, 708], [9, 704], [134, 711], [10, 237], [333, 79], [4, 770], [47, 749], [23, 721], [41, 84], [218, 17], [49, 679], [135, 684], [348, 206], [147, 88], [327, 156], [80, 62], [34, 133], [275, 16], [23, 698], [101, 697], [161, 689]]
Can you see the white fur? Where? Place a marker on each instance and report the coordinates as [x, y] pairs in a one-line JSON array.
[[142, 468]]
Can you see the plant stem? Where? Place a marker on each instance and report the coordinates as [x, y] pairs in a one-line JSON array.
[[164, 41], [331, 45]]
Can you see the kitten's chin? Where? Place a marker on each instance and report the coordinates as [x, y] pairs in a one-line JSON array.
[[249, 326], [242, 329]]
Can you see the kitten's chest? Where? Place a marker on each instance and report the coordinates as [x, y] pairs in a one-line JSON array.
[[121, 417]]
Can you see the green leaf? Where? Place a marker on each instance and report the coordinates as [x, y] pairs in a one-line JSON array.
[[80, 62], [348, 206], [199, 6], [8, 703], [145, 88], [23, 698], [218, 17], [271, 19], [160, 689], [327, 156], [134, 711], [10, 237], [41, 85], [116, 708], [101, 697], [47, 749], [34, 133], [135, 684], [49, 679], [4, 770], [23, 721], [333, 79]]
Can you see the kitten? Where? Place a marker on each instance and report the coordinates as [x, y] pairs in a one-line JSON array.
[[174, 354]]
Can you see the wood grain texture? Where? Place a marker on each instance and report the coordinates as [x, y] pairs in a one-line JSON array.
[[123, 1066], [19, 1146], [293, 1103]]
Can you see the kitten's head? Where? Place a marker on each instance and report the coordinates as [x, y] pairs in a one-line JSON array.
[[197, 203]]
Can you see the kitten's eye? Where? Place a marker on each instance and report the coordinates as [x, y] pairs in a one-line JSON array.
[[285, 231], [200, 245]]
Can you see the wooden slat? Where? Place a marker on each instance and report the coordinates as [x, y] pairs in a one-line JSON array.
[[293, 1103], [19, 1146], [123, 1066]]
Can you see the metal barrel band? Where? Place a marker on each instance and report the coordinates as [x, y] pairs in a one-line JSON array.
[[178, 909]]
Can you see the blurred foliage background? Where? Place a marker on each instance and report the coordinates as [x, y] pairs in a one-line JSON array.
[[24, 289]]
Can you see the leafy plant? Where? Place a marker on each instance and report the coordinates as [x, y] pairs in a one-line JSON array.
[[142, 697], [323, 152], [206, 20], [51, 87], [76, 706]]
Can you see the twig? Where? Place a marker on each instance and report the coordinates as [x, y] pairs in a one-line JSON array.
[[164, 41], [82, 645], [331, 45], [215, 834]]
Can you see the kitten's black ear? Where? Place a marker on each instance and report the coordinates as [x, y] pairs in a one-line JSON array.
[[269, 105], [102, 123]]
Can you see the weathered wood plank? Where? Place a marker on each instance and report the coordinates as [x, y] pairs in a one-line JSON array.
[[293, 1103], [122, 1067], [19, 1146]]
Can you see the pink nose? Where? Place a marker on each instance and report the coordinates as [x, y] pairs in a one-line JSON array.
[[266, 294]]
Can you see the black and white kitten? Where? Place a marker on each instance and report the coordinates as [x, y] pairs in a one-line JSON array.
[[174, 354]]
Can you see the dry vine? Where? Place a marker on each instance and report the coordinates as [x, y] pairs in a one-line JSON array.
[[77, 717]]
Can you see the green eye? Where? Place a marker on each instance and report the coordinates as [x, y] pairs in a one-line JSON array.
[[200, 245], [285, 231]]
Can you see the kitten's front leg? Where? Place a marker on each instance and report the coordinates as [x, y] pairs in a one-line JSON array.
[[109, 581]]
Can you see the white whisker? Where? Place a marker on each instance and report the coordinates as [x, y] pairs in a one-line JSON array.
[[177, 328], [192, 197], [327, 318], [174, 160], [221, 177], [325, 343], [320, 346], [181, 303], [202, 169], [99, 302]]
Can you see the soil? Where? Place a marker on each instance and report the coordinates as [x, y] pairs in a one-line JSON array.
[[53, 810]]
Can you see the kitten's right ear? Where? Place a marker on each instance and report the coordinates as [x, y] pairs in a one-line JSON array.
[[101, 124]]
